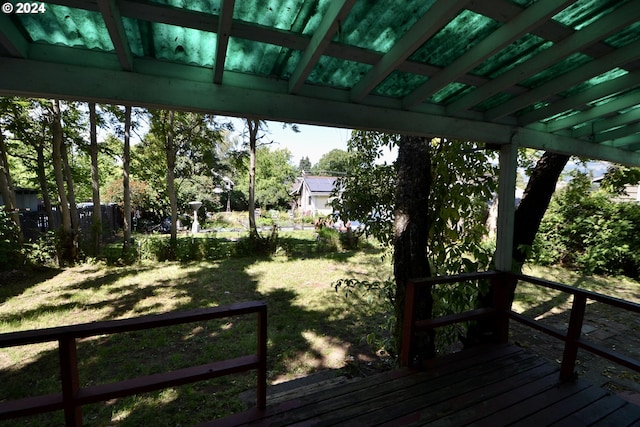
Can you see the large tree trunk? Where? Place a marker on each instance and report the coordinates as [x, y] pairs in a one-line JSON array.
[[527, 219], [67, 245], [71, 197], [7, 189], [253, 126], [126, 162], [535, 202], [171, 189], [96, 217], [411, 230], [41, 171]]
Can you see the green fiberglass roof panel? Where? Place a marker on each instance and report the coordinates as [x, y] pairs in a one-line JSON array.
[[378, 24], [206, 6], [181, 45], [534, 71], [66, 26]]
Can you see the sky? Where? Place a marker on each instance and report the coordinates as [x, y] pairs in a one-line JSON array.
[[311, 141]]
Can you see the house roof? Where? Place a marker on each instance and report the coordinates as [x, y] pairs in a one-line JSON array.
[[560, 75], [318, 184]]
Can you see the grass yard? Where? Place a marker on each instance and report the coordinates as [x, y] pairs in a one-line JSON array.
[[310, 327]]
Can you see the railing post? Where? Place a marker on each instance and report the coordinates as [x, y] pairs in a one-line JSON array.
[[503, 286], [70, 381], [261, 391], [408, 322], [573, 336]]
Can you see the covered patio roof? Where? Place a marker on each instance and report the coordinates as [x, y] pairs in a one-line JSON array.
[[556, 75]]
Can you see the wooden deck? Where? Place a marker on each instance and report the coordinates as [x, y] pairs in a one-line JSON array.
[[501, 385]]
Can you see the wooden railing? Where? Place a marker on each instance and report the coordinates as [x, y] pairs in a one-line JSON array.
[[500, 313], [72, 396]]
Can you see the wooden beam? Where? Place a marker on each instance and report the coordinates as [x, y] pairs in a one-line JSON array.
[[598, 30], [11, 39], [606, 124], [224, 30], [433, 20], [620, 103], [617, 85], [624, 55], [113, 21], [618, 133], [523, 23], [336, 13]]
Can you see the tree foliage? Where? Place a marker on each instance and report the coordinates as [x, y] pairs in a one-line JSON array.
[[335, 162], [589, 231]]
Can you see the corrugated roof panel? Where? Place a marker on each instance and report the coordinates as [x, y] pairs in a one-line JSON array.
[[521, 50], [62, 25], [494, 101], [184, 45], [399, 84], [458, 36], [298, 16], [570, 63], [602, 78], [626, 36], [134, 33], [256, 58], [337, 72], [378, 24], [584, 12], [206, 6], [450, 93]]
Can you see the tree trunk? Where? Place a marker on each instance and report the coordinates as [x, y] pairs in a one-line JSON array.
[[411, 230], [71, 197], [96, 217], [7, 189], [171, 189], [126, 161], [67, 247], [41, 171], [253, 135]]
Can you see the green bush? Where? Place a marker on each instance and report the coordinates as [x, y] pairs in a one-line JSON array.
[[10, 254], [589, 231]]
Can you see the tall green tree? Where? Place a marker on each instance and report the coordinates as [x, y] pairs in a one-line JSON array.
[[7, 189], [96, 217], [335, 162], [304, 165]]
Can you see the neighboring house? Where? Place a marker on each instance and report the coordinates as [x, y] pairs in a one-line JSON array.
[[312, 194], [26, 199], [631, 191]]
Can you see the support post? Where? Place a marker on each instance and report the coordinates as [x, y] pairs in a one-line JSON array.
[[70, 381], [506, 205], [408, 322], [261, 391], [573, 336]]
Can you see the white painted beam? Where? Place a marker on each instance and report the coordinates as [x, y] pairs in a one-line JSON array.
[[618, 57], [222, 38], [433, 20], [113, 21], [530, 18], [606, 124], [506, 206], [619, 133], [11, 39], [336, 13], [600, 29]]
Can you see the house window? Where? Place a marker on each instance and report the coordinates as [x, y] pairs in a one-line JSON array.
[[309, 201]]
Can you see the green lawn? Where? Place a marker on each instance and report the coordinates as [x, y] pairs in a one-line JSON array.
[[310, 327]]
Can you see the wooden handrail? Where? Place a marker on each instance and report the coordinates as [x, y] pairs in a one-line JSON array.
[[72, 396], [502, 313]]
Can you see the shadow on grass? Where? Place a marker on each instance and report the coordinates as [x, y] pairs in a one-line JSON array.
[[14, 283], [301, 339]]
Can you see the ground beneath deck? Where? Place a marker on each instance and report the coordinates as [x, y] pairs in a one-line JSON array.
[[495, 386]]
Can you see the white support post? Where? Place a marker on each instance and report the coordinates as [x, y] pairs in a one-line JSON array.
[[506, 205]]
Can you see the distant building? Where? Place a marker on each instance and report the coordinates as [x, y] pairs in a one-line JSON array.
[[26, 199], [312, 194], [631, 191]]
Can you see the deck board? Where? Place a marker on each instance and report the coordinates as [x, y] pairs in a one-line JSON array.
[[494, 386]]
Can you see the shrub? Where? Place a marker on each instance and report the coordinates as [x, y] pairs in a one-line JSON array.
[[10, 254]]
